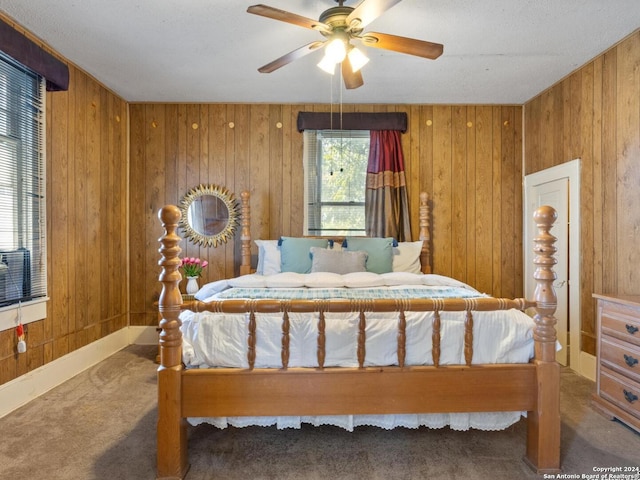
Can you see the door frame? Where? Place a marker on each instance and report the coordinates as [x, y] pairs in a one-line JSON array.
[[571, 171]]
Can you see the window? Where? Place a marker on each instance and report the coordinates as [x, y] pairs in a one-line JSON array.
[[335, 163], [22, 186]]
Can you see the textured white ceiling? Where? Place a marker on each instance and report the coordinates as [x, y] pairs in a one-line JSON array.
[[495, 51]]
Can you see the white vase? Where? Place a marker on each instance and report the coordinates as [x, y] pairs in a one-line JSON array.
[[192, 285]]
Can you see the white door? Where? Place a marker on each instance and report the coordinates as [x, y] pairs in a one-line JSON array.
[[556, 194], [550, 187]]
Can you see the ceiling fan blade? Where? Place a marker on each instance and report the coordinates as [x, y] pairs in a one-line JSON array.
[[368, 11], [410, 46], [351, 79], [290, 57], [288, 17]]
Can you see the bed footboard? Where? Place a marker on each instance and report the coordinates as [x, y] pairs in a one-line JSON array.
[[531, 387]]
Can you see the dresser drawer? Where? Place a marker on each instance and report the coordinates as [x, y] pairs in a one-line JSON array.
[[620, 391], [621, 357], [621, 321]]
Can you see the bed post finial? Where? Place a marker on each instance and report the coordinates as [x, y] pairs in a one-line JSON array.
[[171, 429], [245, 236]]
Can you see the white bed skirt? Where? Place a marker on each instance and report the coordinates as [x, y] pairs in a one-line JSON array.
[[456, 421]]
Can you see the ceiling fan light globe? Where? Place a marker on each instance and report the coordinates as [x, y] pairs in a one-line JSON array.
[[336, 50], [328, 65], [357, 59]]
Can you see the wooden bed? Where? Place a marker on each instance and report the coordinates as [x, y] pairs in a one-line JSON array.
[[532, 387]]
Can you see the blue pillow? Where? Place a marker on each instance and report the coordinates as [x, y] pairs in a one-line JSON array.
[[379, 250], [295, 253]]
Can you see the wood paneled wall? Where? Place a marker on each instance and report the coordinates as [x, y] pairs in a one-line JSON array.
[[468, 158], [594, 115], [87, 165]]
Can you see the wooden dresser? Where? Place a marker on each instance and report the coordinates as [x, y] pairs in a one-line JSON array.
[[618, 369]]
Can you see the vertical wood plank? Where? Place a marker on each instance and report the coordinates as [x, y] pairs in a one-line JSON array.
[[628, 173], [459, 191], [497, 202], [585, 145], [471, 250], [442, 178], [484, 198], [508, 194], [609, 172], [80, 256]]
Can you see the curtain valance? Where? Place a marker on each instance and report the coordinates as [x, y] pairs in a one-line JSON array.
[[23, 50], [352, 121]]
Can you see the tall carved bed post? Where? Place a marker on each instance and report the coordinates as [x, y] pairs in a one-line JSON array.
[[172, 432], [543, 450], [424, 235], [245, 235]]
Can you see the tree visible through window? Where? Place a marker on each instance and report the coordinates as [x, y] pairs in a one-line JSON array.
[[335, 181]]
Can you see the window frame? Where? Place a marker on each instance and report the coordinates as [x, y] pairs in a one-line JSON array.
[[34, 224], [313, 185]]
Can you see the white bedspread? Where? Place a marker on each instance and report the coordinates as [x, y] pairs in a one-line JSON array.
[[220, 340]]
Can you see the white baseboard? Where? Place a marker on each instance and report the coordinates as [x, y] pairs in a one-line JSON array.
[[29, 386], [587, 367]]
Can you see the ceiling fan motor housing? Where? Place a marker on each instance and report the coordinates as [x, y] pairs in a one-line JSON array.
[[336, 18]]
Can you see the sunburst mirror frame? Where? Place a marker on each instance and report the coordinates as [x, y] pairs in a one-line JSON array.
[[202, 238]]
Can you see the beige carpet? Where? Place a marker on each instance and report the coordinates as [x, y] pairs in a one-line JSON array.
[[101, 425]]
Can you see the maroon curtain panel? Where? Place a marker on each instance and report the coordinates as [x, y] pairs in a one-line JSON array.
[[386, 200]]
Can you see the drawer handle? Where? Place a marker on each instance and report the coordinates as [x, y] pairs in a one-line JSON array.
[[629, 396], [632, 329], [629, 360]]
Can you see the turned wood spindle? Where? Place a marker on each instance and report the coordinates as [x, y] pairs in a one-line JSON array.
[[402, 338], [251, 337], [362, 338], [468, 337], [321, 338], [435, 338], [285, 335]]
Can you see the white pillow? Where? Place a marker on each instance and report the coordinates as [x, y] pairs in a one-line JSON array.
[[406, 257], [268, 257], [402, 278], [247, 281], [210, 289], [323, 280], [285, 280], [435, 280]]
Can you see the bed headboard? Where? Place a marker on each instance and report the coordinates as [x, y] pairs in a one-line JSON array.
[[424, 234]]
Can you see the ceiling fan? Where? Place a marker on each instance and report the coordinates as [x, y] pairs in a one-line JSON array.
[[339, 25]]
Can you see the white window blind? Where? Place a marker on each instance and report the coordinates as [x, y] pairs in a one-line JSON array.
[[22, 184], [335, 170]]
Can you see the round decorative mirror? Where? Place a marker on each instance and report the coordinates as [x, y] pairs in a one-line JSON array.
[[209, 215]]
